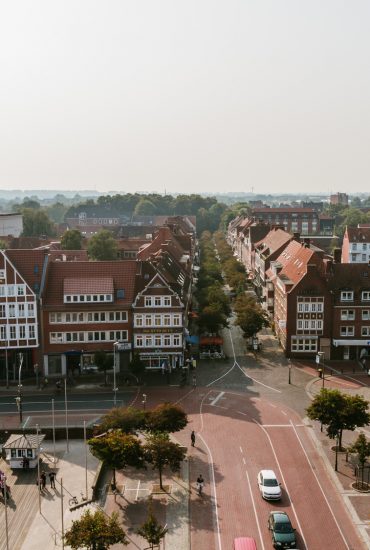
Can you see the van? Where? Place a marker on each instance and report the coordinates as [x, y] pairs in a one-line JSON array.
[[245, 543]]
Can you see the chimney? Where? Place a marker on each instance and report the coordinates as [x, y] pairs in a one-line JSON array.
[[307, 243], [337, 253]]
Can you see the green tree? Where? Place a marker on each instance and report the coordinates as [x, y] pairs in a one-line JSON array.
[[95, 531], [338, 411], [104, 362], [71, 240], [117, 450], [166, 418], [37, 223], [362, 448], [145, 207], [160, 451], [151, 530], [137, 367], [250, 316], [102, 246], [127, 419]]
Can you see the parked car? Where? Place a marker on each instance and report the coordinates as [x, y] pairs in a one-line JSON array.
[[282, 532], [89, 368], [268, 485]]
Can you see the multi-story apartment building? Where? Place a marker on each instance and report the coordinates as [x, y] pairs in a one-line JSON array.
[[350, 289], [158, 320], [302, 302], [86, 306], [356, 245], [339, 198], [267, 250], [249, 236], [306, 221], [18, 319]]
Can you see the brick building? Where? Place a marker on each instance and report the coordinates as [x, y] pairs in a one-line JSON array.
[[356, 245], [306, 221], [339, 198]]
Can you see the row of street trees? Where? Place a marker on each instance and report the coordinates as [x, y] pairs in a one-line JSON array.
[[338, 411], [233, 270], [214, 305]]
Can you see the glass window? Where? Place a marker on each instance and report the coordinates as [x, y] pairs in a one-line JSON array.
[[157, 301], [157, 340], [22, 332], [11, 310], [2, 311], [365, 331], [12, 332], [21, 290], [148, 320], [139, 341], [346, 295], [148, 341], [3, 332], [148, 301], [166, 340], [366, 295], [55, 364], [167, 300], [365, 315], [31, 310], [157, 320], [138, 320], [167, 320], [177, 340]]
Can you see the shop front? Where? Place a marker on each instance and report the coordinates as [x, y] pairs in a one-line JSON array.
[[351, 349], [158, 359]]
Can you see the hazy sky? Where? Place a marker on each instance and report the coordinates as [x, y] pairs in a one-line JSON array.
[[206, 95]]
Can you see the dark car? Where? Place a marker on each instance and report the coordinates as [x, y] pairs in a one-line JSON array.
[[282, 532]]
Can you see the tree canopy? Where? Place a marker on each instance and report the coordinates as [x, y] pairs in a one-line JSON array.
[[339, 411], [102, 246], [117, 450], [250, 316], [166, 418], [160, 451], [36, 223], [95, 531], [71, 240]]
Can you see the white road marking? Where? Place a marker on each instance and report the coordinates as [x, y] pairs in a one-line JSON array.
[[184, 396], [257, 381], [286, 414], [213, 482], [272, 405], [137, 491], [255, 512], [319, 484], [244, 461], [240, 412], [220, 377], [282, 477], [241, 450], [217, 398], [280, 425]]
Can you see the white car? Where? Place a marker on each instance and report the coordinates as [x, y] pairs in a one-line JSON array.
[[269, 485]]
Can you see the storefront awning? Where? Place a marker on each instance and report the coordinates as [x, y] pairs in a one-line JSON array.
[[211, 341], [351, 342]]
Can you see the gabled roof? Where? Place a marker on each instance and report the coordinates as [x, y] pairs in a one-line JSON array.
[[121, 273], [285, 209], [358, 234], [164, 238], [296, 266], [349, 276], [23, 441], [275, 239], [29, 263], [88, 285]]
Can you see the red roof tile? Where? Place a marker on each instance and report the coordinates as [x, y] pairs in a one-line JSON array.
[[88, 285]]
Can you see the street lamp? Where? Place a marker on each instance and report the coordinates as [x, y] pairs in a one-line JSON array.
[[144, 401], [18, 399], [114, 374], [321, 356], [37, 370], [289, 371]]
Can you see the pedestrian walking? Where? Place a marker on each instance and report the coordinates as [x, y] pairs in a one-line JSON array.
[[194, 380], [43, 480], [52, 479], [192, 437]]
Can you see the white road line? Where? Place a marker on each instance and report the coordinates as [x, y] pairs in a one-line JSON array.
[[215, 505], [217, 398], [244, 461], [255, 511], [241, 450], [319, 484], [26, 422], [137, 491], [184, 396], [240, 412], [272, 405], [280, 425], [286, 414], [282, 477], [220, 377], [257, 381]]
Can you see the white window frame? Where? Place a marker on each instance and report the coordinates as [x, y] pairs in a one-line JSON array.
[[346, 296], [365, 295]]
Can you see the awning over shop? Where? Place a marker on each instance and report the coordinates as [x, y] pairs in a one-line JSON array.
[[211, 341], [351, 342], [192, 339]]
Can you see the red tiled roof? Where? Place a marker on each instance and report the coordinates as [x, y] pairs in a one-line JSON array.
[[296, 267], [29, 263], [122, 273], [358, 234], [102, 285], [164, 238], [274, 239]]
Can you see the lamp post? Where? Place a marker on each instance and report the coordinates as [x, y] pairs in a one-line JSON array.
[[289, 371], [37, 370], [114, 375], [321, 356], [144, 401], [18, 399]]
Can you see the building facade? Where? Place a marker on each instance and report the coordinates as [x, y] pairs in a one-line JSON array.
[[356, 245]]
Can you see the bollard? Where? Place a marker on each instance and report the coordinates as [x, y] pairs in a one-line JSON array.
[[320, 372]]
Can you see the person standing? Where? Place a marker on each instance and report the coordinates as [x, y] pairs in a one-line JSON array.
[[43, 480], [52, 479], [194, 379], [192, 437]]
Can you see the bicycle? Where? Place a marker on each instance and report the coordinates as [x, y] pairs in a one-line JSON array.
[[73, 501], [200, 488]]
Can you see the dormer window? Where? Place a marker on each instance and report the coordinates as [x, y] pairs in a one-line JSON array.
[[346, 295], [365, 296]]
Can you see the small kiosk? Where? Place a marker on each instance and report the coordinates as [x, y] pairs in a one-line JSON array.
[[22, 451]]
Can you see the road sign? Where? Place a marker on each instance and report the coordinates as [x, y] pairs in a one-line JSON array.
[[123, 346]]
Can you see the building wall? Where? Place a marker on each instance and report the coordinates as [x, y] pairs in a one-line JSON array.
[[11, 224]]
